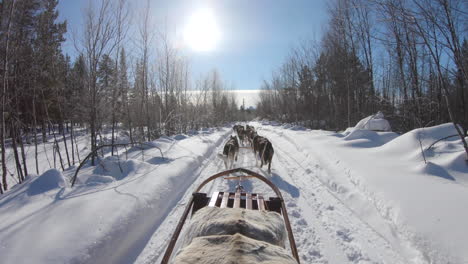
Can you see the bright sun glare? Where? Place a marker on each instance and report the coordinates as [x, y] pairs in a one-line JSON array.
[[201, 32]]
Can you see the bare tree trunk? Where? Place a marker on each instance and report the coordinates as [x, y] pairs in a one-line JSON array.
[[62, 122], [43, 130], [129, 117], [65, 144], [35, 128], [15, 151], [4, 94], [23, 156], [71, 142], [56, 144], [77, 150]]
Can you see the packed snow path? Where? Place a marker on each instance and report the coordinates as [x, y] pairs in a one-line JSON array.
[[326, 229], [352, 197]]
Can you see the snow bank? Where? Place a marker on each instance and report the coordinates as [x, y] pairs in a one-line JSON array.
[[180, 137], [420, 208], [49, 180], [111, 212], [99, 179], [372, 131], [375, 122], [260, 225], [118, 168], [367, 138], [408, 144], [227, 249]]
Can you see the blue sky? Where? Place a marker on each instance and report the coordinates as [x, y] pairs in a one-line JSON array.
[[256, 35]]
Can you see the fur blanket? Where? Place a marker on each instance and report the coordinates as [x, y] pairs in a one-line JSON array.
[[225, 236]]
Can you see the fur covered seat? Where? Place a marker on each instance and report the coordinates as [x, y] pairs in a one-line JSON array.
[[223, 236]]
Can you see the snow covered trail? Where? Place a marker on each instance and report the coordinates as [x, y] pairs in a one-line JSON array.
[[110, 215], [363, 197], [154, 250], [157, 244], [334, 232], [326, 229]]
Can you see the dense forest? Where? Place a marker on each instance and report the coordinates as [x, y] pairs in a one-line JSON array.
[[46, 94], [408, 59]]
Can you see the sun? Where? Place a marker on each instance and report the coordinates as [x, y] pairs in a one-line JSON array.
[[201, 32]]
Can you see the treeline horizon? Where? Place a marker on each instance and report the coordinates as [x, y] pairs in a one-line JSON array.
[[46, 94], [408, 59]]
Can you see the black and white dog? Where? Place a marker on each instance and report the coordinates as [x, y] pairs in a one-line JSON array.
[[230, 152]]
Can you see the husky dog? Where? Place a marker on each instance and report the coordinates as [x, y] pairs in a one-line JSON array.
[[263, 149], [235, 127], [241, 133], [249, 134], [230, 152]]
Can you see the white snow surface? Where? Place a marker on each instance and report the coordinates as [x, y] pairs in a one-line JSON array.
[[365, 197], [375, 122]]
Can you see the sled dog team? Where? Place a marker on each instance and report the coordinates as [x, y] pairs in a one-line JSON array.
[[247, 135]]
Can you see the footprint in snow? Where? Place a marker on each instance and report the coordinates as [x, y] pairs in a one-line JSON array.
[[345, 235], [302, 222], [315, 253], [357, 257], [296, 214]]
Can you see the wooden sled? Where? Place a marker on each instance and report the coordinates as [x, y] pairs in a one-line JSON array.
[[245, 147], [237, 199]]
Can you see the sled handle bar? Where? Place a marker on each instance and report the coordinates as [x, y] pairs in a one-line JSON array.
[[250, 173]]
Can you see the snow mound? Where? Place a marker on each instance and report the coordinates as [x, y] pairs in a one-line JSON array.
[[367, 138], [49, 180], [260, 225], [456, 162], [375, 122], [180, 137], [266, 122], [360, 134], [298, 128], [117, 169], [434, 170], [227, 249], [408, 144], [193, 132], [99, 179]]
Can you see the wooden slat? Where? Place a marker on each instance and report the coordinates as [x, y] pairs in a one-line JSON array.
[[224, 202], [237, 197], [261, 203], [213, 199], [248, 201]]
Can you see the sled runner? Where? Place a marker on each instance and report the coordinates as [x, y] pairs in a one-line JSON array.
[[238, 199]]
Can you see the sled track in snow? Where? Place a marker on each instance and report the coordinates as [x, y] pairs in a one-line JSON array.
[[326, 229], [157, 245], [358, 240]]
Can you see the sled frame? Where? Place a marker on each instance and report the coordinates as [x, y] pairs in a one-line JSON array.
[[196, 194]]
